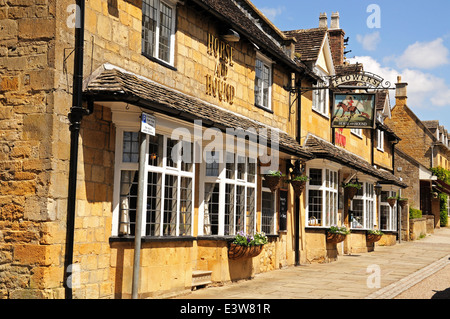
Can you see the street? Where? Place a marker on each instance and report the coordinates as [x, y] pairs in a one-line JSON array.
[[411, 270]]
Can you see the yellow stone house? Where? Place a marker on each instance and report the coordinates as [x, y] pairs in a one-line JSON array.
[[187, 106]]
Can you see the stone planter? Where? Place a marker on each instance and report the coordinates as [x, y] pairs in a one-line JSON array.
[[272, 182], [335, 238], [237, 251], [372, 238]]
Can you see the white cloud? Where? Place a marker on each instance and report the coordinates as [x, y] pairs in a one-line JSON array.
[[369, 41], [272, 13], [424, 55], [425, 90]]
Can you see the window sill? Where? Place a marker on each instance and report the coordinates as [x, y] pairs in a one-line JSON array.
[[264, 108], [149, 239], [357, 135], [380, 150], [165, 64]]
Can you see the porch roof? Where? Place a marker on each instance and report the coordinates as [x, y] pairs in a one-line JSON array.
[[323, 149], [111, 83]]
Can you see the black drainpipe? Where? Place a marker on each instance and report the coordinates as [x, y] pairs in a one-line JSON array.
[[75, 116], [297, 198]]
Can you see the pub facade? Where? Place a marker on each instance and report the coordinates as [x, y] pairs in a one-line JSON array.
[[188, 105]]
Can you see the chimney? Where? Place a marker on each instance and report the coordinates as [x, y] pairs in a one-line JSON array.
[[400, 92], [334, 20], [323, 21], [336, 38]]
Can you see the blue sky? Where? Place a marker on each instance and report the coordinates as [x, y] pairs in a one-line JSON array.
[[410, 39]]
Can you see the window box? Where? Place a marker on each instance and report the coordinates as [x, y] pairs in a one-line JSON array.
[[373, 236]]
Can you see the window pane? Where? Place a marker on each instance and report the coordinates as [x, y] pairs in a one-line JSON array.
[[357, 220], [314, 207], [212, 163], [172, 158], [185, 206], [268, 213], [165, 31], [130, 152], [155, 150], [211, 214], [240, 208], [149, 13], [170, 205], [384, 217], [153, 217], [230, 166], [315, 176], [187, 156], [229, 209], [250, 210], [128, 202], [251, 170], [241, 167]]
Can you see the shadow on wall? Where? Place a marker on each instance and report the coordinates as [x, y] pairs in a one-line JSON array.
[[444, 294]]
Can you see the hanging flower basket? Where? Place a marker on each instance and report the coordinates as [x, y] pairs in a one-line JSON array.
[[335, 238], [403, 202], [298, 183], [337, 234], [236, 251], [392, 201], [352, 189], [245, 246], [272, 182], [372, 236]]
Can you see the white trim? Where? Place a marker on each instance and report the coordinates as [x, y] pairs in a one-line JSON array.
[[269, 64]]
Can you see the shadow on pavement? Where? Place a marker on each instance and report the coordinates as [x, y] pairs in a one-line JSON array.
[[444, 294]]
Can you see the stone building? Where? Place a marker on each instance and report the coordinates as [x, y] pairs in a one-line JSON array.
[[422, 147], [212, 80], [342, 154]]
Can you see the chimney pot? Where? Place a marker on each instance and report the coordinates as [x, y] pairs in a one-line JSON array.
[[334, 21], [323, 20]]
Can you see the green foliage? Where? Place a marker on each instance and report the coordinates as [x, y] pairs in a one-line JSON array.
[[339, 230], [301, 178], [441, 173], [375, 232], [443, 209], [257, 239], [274, 173], [356, 185], [414, 213]]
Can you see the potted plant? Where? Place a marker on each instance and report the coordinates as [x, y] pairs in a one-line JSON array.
[[273, 179], [403, 202], [298, 183], [337, 234], [245, 245], [373, 235], [351, 189], [392, 200]]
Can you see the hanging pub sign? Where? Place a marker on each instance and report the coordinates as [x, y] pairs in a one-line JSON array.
[[364, 77], [353, 110]]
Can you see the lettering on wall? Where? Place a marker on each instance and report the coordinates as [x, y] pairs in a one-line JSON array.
[[216, 83]]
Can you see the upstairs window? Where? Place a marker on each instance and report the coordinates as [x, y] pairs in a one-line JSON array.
[[263, 82], [321, 98], [158, 30]]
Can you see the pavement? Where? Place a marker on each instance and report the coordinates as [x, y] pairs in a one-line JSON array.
[[417, 269]]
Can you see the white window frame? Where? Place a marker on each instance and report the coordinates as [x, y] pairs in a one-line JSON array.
[[269, 64], [368, 213], [156, 51], [325, 188], [380, 140], [222, 180], [357, 132], [392, 215], [164, 170], [321, 97]]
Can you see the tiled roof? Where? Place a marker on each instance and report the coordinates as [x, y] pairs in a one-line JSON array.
[[110, 83], [431, 124], [308, 43], [323, 149]]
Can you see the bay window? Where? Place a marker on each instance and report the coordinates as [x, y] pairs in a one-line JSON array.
[[169, 185], [362, 208], [322, 206], [388, 214], [229, 194]]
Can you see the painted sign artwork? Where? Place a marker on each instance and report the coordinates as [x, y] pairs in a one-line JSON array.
[[353, 110]]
